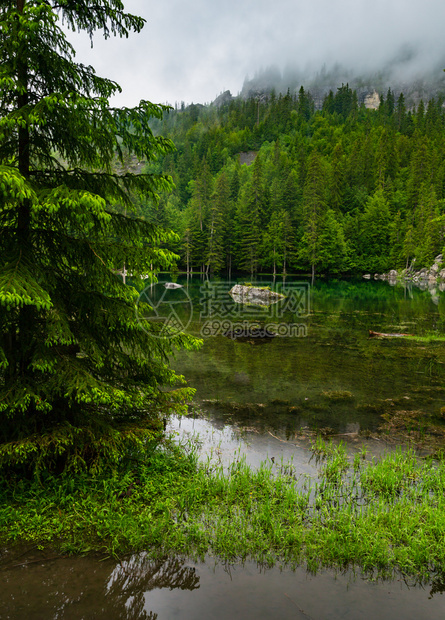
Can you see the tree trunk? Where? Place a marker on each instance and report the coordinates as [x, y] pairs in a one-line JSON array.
[[26, 313]]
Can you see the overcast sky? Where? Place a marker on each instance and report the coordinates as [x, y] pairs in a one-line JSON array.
[[193, 50]]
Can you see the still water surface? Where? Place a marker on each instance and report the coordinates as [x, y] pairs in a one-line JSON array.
[[336, 376], [84, 588], [262, 399]]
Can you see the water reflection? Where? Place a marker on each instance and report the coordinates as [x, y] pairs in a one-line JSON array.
[[39, 586], [137, 588], [432, 286], [262, 399], [130, 581], [300, 380]]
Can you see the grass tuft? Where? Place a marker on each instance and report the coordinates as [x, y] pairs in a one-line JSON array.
[[382, 515]]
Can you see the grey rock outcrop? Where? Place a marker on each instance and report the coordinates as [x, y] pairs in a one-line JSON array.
[[172, 285], [432, 274], [254, 295]]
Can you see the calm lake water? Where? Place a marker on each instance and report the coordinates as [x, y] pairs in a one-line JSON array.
[[263, 398], [335, 375], [85, 588]]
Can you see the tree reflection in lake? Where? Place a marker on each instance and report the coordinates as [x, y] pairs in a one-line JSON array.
[[131, 579], [336, 377], [84, 587]]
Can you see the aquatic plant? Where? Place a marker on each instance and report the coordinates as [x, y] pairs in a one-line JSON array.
[[382, 515]]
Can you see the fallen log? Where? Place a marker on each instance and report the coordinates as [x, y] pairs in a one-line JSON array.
[[383, 335]]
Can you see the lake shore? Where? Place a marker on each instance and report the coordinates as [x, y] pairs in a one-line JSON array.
[[380, 515]]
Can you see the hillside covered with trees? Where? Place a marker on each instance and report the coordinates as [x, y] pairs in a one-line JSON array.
[[271, 184]]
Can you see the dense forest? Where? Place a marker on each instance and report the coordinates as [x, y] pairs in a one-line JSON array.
[[269, 183]]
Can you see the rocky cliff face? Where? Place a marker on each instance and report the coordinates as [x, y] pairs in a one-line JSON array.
[[223, 98], [372, 100]]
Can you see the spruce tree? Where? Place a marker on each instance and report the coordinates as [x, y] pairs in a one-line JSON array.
[[80, 376], [202, 192], [337, 178], [216, 225], [375, 233], [401, 113], [251, 214], [314, 210]]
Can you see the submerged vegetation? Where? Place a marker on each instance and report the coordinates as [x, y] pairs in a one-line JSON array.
[[382, 515]]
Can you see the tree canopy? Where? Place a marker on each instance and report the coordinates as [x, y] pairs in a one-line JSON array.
[[332, 188], [80, 378]]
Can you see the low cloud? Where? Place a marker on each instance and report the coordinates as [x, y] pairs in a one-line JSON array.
[[192, 51]]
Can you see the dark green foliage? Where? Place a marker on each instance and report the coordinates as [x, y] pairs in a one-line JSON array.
[[344, 101], [401, 114], [80, 378], [216, 225], [278, 137], [374, 234], [314, 210], [305, 106]]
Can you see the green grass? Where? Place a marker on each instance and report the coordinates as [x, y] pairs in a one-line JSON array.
[[382, 515]]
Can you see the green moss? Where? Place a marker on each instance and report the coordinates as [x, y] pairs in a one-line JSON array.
[[260, 288], [428, 338], [337, 395]]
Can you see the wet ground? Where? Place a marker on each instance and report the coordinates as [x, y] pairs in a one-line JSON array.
[[39, 584]]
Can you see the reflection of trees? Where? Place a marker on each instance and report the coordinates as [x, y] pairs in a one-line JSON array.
[[437, 585], [96, 589], [131, 579]]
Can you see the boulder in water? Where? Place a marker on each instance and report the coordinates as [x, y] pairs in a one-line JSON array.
[[256, 295], [172, 285]]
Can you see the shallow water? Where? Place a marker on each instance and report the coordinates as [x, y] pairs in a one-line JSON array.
[[41, 585], [262, 401], [224, 443], [335, 376], [86, 588]]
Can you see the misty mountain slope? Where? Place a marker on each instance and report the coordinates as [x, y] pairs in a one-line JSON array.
[[401, 76]]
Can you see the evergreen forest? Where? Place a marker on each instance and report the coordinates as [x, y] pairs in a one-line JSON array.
[[272, 184]]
